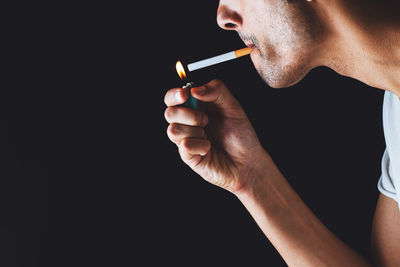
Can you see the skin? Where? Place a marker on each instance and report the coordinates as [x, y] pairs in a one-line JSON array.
[[359, 39]]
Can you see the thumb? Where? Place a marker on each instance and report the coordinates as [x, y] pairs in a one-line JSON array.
[[215, 92]]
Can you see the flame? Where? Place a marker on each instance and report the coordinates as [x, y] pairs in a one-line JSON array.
[[181, 70]]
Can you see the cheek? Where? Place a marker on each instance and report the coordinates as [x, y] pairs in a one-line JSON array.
[[280, 35], [285, 27]]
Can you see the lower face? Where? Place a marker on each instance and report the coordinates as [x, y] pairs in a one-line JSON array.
[[287, 35]]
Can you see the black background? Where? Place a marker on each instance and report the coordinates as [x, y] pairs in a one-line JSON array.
[[88, 175]]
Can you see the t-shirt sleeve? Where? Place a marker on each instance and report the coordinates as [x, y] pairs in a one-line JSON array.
[[386, 184]]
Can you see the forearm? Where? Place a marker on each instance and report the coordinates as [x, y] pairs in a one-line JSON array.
[[297, 234]]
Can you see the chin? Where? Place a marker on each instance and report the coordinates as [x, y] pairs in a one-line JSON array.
[[282, 75], [284, 83]]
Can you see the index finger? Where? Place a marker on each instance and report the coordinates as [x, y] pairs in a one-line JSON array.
[[175, 96]]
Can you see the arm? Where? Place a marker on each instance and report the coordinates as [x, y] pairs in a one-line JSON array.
[[385, 239], [220, 145], [297, 234]]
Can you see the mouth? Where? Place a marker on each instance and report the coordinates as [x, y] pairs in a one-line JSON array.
[[252, 46], [249, 40]]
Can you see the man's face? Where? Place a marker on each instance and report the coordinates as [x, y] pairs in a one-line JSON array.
[[285, 35]]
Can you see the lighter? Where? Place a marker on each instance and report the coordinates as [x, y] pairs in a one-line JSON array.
[[191, 102]]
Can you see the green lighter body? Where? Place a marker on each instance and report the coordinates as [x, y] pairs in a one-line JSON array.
[[191, 102]]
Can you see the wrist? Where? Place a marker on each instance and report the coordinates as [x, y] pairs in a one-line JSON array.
[[268, 190], [260, 175]]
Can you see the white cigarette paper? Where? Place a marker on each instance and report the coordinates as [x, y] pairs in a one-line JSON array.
[[218, 59]]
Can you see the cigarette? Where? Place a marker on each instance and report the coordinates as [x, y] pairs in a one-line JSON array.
[[219, 59]]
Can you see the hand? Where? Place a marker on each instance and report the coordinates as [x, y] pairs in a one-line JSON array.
[[217, 141]]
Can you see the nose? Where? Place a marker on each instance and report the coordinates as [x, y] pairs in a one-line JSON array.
[[228, 19]]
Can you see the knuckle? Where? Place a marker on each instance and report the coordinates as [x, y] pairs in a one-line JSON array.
[[202, 133], [169, 113], [219, 89], [216, 83], [210, 85], [166, 114], [173, 129], [185, 144], [198, 119], [170, 132]]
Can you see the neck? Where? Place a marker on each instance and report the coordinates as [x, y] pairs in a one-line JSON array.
[[364, 43]]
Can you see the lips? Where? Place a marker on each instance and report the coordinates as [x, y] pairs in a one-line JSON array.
[[252, 46]]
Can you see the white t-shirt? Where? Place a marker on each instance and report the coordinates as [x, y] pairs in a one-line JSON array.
[[389, 183]]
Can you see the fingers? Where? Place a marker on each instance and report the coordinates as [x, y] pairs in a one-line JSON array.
[[176, 96], [189, 159], [191, 142], [177, 132], [216, 92], [186, 129], [187, 116], [194, 146]]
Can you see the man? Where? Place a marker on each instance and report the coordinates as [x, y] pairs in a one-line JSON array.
[[360, 39]]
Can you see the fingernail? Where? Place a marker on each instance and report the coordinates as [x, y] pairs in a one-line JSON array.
[[178, 96]]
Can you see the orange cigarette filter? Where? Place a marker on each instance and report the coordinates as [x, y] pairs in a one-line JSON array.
[[242, 52]]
